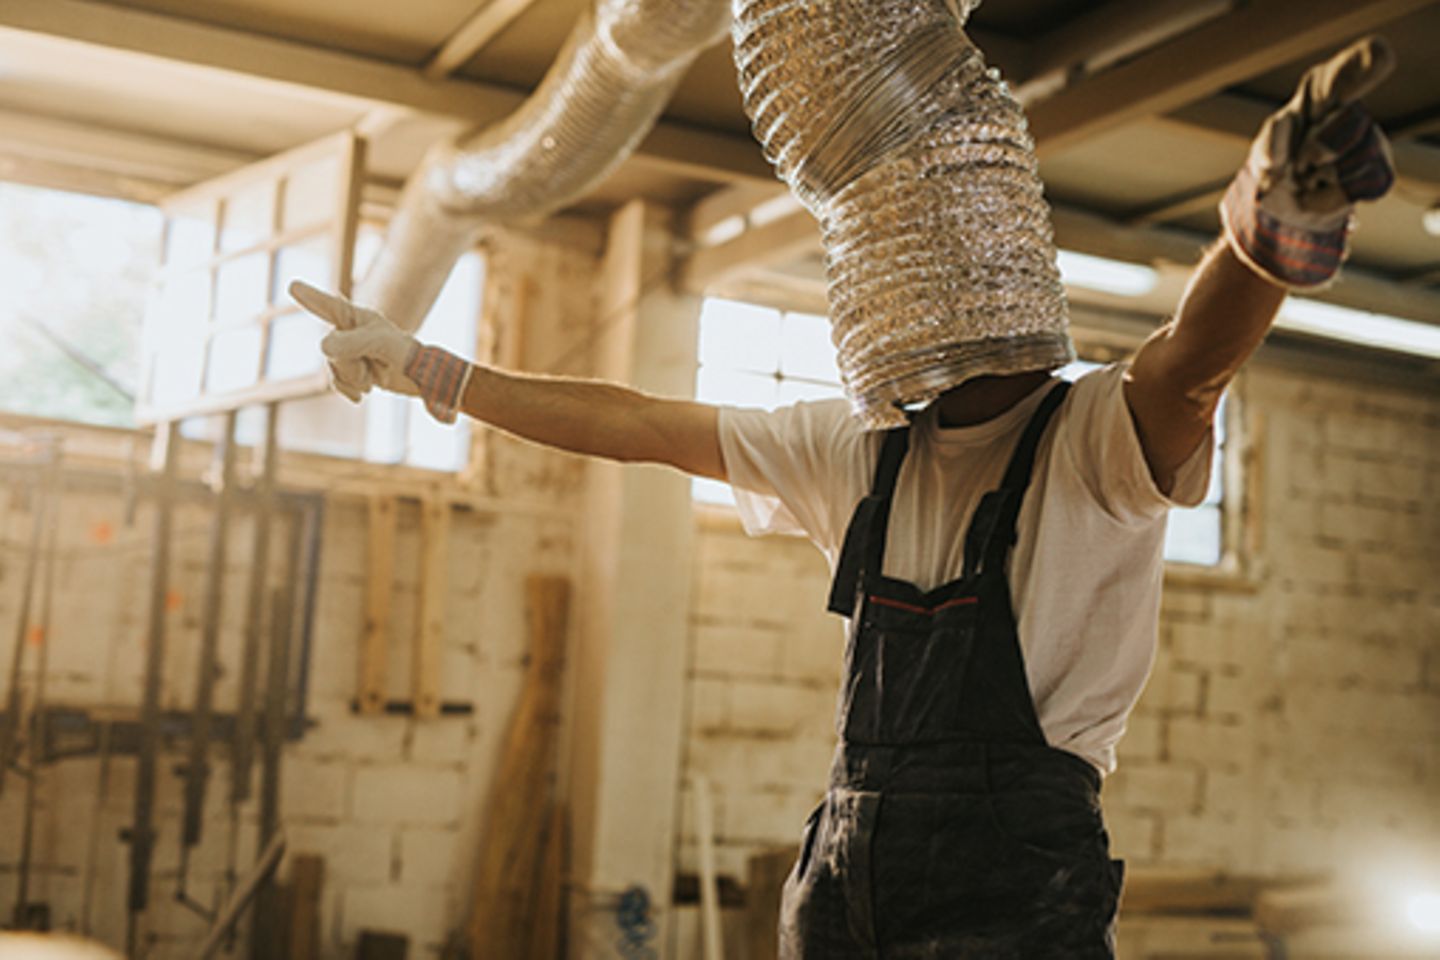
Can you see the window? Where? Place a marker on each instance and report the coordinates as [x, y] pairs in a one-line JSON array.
[[75, 271], [122, 314], [1194, 536], [753, 356]]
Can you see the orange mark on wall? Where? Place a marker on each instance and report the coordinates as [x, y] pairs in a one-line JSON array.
[[36, 636], [174, 600], [102, 532]]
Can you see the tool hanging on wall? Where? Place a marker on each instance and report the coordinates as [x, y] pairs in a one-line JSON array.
[[27, 914], [197, 764], [141, 835], [40, 504], [266, 936]]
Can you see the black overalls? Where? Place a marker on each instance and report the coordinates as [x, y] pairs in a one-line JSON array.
[[950, 828]]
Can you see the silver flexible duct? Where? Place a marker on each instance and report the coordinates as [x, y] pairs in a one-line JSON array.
[[916, 160], [614, 75]]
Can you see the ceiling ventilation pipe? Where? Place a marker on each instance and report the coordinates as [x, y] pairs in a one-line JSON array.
[[614, 75]]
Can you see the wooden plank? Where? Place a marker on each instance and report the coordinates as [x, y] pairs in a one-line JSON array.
[[1107, 33], [512, 883], [1254, 39], [763, 885], [430, 612], [780, 241], [379, 588], [307, 883], [484, 25]]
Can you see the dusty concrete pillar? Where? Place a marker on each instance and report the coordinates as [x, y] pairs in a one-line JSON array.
[[627, 715]]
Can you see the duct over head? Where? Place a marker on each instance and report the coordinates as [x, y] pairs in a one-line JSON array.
[[884, 120], [617, 70]]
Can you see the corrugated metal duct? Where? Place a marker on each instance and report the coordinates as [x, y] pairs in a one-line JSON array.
[[613, 77]]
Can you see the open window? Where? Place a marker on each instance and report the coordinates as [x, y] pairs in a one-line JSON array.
[[221, 331]]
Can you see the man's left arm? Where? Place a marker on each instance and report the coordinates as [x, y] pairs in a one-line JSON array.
[[1287, 219]]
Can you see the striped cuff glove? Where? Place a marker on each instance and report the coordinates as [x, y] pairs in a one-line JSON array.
[[441, 377], [1289, 212]]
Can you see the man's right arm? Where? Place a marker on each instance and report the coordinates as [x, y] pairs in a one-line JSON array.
[[598, 419], [582, 416]]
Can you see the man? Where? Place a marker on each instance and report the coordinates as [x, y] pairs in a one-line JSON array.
[[996, 648]]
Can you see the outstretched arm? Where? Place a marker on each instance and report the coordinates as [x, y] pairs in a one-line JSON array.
[[582, 416], [598, 419], [1175, 382], [1287, 217]]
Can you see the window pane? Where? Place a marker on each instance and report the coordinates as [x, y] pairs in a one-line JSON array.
[[248, 216], [240, 291], [739, 336], [183, 304], [310, 195], [294, 346], [190, 239], [737, 389], [793, 391], [703, 490], [805, 348], [234, 360], [309, 261], [1193, 536], [177, 370]]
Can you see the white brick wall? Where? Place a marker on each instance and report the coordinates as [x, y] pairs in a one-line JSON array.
[[1292, 723]]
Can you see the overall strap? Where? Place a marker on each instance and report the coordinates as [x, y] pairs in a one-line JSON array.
[[864, 547], [992, 531]]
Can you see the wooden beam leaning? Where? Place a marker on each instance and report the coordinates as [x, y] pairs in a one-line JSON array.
[[379, 589], [1248, 42], [430, 611], [787, 238], [484, 25]]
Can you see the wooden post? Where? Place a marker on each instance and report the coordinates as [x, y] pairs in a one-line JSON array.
[[430, 611], [379, 588]]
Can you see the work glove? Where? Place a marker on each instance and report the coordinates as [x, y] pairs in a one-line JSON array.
[[371, 349], [1289, 212]]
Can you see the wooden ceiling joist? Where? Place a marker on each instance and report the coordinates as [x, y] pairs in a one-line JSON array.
[[1254, 39], [1108, 33], [793, 237], [720, 157], [484, 25]]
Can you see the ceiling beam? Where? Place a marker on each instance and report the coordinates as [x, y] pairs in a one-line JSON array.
[[484, 25], [1107, 34], [1359, 287], [722, 157], [780, 241], [795, 236], [1236, 119], [1254, 39], [165, 163]]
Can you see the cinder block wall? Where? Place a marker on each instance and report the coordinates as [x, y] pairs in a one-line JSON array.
[[1292, 723], [393, 805]]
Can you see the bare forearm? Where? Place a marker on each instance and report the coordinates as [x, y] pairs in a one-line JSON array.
[[1177, 378], [598, 419], [1224, 317]]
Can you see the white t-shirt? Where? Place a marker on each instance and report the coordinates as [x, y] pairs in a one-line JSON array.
[[1086, 573]]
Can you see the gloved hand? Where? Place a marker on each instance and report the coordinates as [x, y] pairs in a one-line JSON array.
[[367, 341], [1288, 213]]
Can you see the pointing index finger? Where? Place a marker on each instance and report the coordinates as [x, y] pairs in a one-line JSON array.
[[335, 310]]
